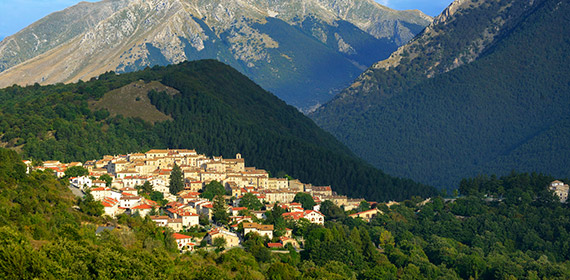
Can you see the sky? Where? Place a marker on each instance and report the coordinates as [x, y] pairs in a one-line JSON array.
[[17, 14]]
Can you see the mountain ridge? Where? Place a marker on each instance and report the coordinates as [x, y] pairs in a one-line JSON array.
[[130, 35], [464, 119]]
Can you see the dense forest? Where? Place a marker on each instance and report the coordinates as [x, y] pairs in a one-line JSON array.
[[217, 111], [506, 110], [504, 228]]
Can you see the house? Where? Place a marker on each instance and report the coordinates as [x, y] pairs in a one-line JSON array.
[[99, 184], [128, 201], [234, 211], [262, 230], [231, 238], [194, 185], [159, 185], [189, 219], [287, 240], [184, 242], [322, 191], [366, 215], [175, 224], [160, 221], [111, 207], [142, 209], [313, 216], [130, 190], [83, 182], [560, 189], [100, 193], [52, 163], [277, 183], [28, 164], [260, 214]]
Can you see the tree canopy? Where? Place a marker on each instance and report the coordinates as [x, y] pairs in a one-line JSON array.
[[305, 199], [212, 190], [250, 201], [176, 180]]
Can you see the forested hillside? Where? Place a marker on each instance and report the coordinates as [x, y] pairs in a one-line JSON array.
[[217, 111], [500, 103], [521, 233]]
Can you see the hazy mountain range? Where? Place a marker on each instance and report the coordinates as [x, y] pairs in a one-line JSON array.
[[483, 89], [304, 51]]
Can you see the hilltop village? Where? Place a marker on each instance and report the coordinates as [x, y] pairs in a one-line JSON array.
[[217, 198]]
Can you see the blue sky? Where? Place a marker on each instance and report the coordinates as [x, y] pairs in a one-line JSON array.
[[17, 14]]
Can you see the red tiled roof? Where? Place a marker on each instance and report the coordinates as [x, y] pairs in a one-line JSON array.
[[274, 245], [142, 207], [180, 236]]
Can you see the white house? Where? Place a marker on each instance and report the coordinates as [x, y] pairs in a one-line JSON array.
[[129, 201], [160, 221], [189, 219], [82, 182], [184, 242]]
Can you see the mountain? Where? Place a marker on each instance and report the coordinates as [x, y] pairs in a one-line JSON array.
[[483, 89], [304, 51], [203, 105]]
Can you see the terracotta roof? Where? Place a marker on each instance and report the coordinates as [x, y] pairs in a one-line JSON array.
[[274, 245], [180, 236], [142, 207]]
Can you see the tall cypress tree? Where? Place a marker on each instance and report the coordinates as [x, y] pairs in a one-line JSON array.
[[176, 180]]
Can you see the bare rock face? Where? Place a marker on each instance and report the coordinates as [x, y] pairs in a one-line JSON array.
[[272, 42]]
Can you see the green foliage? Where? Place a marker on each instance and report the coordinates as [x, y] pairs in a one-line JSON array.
[[469, 120], [147, 188], [219, 243], [176, 180], [76, 171], [363, 206], [220, 214], [212, 190], [275, 217], [282, 271], [250, 201], [305, 199], [90, 206], [331, 210], [158, 197], [108, 179]]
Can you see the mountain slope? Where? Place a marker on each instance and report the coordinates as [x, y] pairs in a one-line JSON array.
[[442, 109], [303, 51], [213, 108]]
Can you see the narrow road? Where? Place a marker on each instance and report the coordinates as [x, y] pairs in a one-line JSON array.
[[77, 192]]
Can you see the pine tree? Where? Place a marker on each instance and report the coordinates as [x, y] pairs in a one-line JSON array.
[[221, 214], [176, 180]]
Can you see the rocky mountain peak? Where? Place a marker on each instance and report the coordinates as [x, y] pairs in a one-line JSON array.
[[304, 51]]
